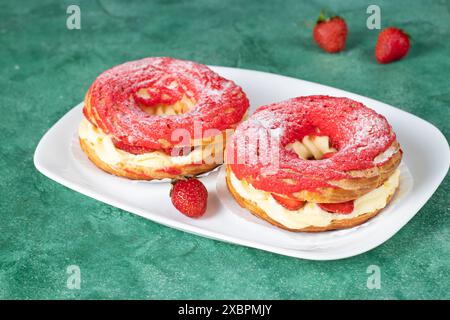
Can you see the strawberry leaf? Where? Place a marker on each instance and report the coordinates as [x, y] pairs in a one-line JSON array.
[[322, 17]]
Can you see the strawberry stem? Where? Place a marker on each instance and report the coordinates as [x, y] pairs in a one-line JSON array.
[[322, 16]]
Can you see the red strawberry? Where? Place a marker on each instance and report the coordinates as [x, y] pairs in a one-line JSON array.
[[392, 44], [330, 34], [189, 197], [288, 203], [342, 208]]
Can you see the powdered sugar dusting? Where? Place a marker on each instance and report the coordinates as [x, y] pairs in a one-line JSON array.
[[357, 132], [113, 102]]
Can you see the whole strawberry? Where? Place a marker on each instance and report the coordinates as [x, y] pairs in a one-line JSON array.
[[392, 44], [189, 197], [330, 34]]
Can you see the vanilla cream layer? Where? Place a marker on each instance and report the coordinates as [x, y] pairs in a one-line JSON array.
[[311, 214], [108, 153], [179, 107], [311, 146]]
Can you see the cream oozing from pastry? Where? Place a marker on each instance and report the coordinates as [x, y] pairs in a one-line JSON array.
[[108, 153], [311, 214]]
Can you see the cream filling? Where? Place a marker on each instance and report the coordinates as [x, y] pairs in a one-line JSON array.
[[316, 146], [311, 147], [179, 107], [386, 155], [311, 214], [108, 153]]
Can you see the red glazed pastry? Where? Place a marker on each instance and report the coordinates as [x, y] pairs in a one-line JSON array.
[[159, 118], [317, 149]]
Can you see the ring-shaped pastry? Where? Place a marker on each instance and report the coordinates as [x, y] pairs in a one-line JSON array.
[[314, 163], [139, 115]]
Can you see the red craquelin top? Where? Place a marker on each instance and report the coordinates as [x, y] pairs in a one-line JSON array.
[[219, 103], [357, 132]]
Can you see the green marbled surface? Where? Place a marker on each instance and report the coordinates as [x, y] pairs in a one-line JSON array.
[[46, 69]]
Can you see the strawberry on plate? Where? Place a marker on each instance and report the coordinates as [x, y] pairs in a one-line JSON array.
[[393, 44], [189, 196], [330, 34]]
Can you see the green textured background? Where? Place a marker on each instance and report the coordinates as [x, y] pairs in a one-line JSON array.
[[46, 69]]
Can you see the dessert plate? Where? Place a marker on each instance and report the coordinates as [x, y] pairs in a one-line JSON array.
[[422, 172]]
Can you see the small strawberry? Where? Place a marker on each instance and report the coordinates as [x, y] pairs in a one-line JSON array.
[[189, 196], [330, 34], [392, 44], [342, 208], [288, 203]]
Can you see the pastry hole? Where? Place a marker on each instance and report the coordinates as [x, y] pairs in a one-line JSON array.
[[146, 99], [180, 107], [312, 148]]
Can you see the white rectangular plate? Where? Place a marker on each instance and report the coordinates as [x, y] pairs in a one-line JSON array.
[[426, 155]]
